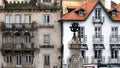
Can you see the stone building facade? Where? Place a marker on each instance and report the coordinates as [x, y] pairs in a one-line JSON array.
[[30, 34]]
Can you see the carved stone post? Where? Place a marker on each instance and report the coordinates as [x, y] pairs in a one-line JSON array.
[[75, 60]]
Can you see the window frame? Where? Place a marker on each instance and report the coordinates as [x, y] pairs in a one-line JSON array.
[[28, 59], [46, 38], [46, 18], [9, 59], [46, 59]]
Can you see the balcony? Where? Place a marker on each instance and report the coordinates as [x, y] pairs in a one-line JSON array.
[[83, 38], [98, 38], [18, 26], [46, 25], [114, 38], [46, 46], [86, 60], [114, 60], [98, 20], [96, 60], [17, 47]]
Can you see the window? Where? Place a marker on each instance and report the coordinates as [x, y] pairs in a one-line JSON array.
[[9, 59], [18, 18], [113, 13], [28, 59], [82, 32], [46, 18], [46, 0], [47, 60], [46, 39], [97, 32], [81, 13], [18, 39], [18, 60], [9, 20], [114, 53], [114, 32], [7, 38], [28, 39], [27, 18], [98, 54], [83, 53], [97, 13]]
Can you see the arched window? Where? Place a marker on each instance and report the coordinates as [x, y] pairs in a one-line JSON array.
[[27, 37], [18, 38]]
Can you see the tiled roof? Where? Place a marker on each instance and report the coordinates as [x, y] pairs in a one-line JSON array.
[[88, 7], [74, 16]]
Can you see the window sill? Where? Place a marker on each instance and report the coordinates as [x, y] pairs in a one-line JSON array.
[[46, 25], [46, 46]]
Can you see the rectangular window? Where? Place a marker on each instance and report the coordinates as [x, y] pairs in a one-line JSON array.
[[17, 39], [28, 59], [46, 39], [114, 53], [46, 0], [27, 18], [82, 32], [98, 54], [97, 13], [47, 60], [8, 21], [98, 32], [114, 31], [18, 18], [18, 60], [9, 59], [46, 18], [28, 39], [7, 39]]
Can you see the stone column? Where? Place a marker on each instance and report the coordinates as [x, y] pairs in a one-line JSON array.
[[75, 60]]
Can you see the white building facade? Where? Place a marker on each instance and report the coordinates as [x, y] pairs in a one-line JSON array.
[[99, 34]]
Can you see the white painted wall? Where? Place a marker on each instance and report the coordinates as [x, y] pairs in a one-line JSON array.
[[89, 31]]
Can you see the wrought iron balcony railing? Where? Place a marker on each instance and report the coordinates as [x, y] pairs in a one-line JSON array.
[[98, 60], [114, 60], [19, 26], [114, 38], [99, 20], [22, 46], [98, 38]]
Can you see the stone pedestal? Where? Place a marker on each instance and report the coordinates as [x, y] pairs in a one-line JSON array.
[[75, 60]]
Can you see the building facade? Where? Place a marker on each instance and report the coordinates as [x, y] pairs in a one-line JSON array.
[[30, 34], [99, 34]]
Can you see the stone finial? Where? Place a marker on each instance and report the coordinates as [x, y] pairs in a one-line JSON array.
[[75, 39]]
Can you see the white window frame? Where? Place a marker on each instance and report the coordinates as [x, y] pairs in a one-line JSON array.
[[18, 59], [18, 18], [80, 13], [47, 59], [9, 58], [97, 13], [98, 32], [28, 39], [114, 55], [28, 59], [46, 38], [27, 18], [113, 13], [46, 18], [114, 31]]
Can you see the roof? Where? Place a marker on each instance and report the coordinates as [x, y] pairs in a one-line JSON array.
[[88, 7], [74, 16]]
